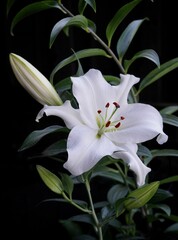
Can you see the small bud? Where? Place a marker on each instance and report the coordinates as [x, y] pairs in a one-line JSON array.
[[139, 197], [34, 82], [50, 179]]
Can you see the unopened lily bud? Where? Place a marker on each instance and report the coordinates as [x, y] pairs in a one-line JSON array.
[[35, 83]]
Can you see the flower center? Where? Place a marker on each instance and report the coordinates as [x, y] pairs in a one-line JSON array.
[[104, 120]]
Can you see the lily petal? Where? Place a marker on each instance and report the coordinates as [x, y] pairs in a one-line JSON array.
[[70, 115], [142, 122], [85, 149], [123, 89], [85, 89], [93, 92], [129, 155]]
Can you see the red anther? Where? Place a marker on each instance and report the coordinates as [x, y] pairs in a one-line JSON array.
[[107, 105], [122, 118], [99, 111], [117, 125], [116, 104], [108, 123]]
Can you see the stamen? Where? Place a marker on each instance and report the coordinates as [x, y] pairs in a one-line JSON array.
[[116, 104], [117, 125], [107, 105], [108, 124], [105, 122]]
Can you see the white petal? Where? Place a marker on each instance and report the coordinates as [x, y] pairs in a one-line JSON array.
[[142, 123], [92, 92], [123, 89], [85, 149], [70, 115], [128, 154]]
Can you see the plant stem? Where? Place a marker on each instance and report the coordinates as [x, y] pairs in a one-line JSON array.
[[97, 38], [97, 224], [76, 205]]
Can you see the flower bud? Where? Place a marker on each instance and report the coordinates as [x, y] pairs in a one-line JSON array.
[[139, 197], [35, 83], [50, 179]]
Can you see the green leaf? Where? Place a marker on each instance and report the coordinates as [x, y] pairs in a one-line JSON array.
[[169, 179], [35, 136], [81, 6], [110, 175], [78, 20], [107, 172], [63, 85], [170, 119], [83, 3], [173, 218], [127, 37], [91, 25], [139, 197], [92, 4], [80, 71], [50, 179], [172, 228], [107, 212], [157, 73], [73, 229], [113, 80], [118, 18], [32, 9], [80, 54], [161, 195], [86, 218], [67, 183], [117, 192], [144, 153], [147, 53], [57, 29], [10, 3], [163, 207], [169, 109], [55, 148], [164, 152]]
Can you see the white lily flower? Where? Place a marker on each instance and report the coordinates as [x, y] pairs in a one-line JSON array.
[[34, 82], [105, 124]]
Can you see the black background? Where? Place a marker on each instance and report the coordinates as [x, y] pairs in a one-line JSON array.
[[21, 188]]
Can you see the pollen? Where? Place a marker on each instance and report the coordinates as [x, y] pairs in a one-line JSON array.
[[108, 124], [118, 125]]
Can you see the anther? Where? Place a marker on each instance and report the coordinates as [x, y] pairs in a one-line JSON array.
[[117, 125], [108, 123], [107, 105], [122, 118], [99, 111], [116, 104]]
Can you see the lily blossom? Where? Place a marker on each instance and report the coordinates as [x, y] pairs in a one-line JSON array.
[[106, 124], [34, 82]]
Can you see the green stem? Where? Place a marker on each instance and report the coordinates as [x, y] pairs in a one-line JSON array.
[[122, 175], [97, 224], [98, 39], [75, 205]]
